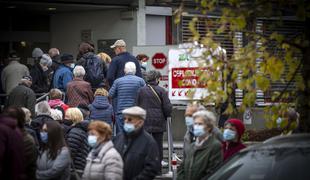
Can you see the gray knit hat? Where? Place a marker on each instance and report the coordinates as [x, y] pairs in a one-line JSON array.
[[37, 52], [46, 60]]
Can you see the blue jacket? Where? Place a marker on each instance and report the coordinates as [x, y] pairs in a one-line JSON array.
[[62, 76], [116, 68], [101, 109], [125, 91]]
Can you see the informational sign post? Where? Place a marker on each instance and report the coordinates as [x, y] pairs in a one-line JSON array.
[[184, 76]]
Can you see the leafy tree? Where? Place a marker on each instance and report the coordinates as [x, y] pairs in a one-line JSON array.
[[281, 58]]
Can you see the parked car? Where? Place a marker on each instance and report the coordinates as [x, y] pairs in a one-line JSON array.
[[279, 158]]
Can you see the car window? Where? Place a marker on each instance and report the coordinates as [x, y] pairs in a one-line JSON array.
[[281, 164]]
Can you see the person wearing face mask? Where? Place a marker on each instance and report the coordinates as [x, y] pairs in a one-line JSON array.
[[63, 74], [234, 129], [54, 159], [143, 58], [137, 147], [103, 162], [189, 137], [205, 154], [39, 74]]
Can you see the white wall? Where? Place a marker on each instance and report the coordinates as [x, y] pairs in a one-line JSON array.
[[106, 24], [155, 30]]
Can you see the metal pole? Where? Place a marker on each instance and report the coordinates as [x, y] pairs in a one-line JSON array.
[[170, 143]]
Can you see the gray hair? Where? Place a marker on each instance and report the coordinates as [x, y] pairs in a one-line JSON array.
[[79, 71], [42, 108], [56, 114], [46, 60], [152, 75], [208, 117], [130, 67]]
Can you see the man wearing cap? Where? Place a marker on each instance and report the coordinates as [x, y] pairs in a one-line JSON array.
[[13, 72], [64, 74], [137, 147], [22, 95], [39, 74], [116, 68]]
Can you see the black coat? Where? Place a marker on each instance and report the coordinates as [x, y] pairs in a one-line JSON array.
[[156, 111], [22, 96], [39, 79], [78, 145], [140, 155], [38, 122]]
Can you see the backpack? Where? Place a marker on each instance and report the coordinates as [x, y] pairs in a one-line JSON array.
[[94, 71]]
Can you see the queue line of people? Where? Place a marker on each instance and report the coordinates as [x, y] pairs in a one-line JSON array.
[[72, 132]]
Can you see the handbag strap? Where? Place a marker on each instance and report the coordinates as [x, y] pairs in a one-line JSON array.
[[154, 92]]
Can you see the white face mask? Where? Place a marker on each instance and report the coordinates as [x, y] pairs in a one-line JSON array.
[[144, 64], [44, 68]]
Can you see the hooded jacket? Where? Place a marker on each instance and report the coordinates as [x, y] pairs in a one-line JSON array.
[[101, 109], [231, 148]]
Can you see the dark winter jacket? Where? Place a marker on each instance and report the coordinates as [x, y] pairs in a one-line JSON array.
[[101, 109], [201, 161], [140, 155], [38, 122], [77, 142], [156, 110], [125, 90], [22, 96], [116, 68], [32, 132], [83, 62], [11, 150], [39, 79], [30, 155]]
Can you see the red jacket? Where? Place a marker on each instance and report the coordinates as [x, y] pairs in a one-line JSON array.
[[79, 92]]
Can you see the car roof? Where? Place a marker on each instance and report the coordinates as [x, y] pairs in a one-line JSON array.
[[301, 140]]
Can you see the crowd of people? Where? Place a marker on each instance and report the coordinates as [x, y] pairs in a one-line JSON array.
[[104, 119]]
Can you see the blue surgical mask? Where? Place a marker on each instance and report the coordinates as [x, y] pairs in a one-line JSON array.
[[229, 135], [199, 130], [44, 137], [144, 64], [189, 121], [72, 65], [128, 128], [92, 140]]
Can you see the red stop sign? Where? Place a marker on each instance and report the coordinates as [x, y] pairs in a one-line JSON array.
[[159, 60]]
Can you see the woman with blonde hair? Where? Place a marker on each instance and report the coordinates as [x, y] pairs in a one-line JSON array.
[[100, 108], [77, 139], [103, 162]]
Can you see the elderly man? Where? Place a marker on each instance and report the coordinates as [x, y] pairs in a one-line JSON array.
[[124, 92], [137, 147], [39, 74], [22, 95], [189, 137], [118, 62], [63, 74], [205, 154], [79, 91], [13, 72]]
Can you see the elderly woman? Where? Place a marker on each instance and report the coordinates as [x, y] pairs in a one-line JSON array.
[[39, 74], [101, 109], [103, 162], [78, 90], [234, 129], [43, 112], [77, 139], [154, 99], [205, 154]]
